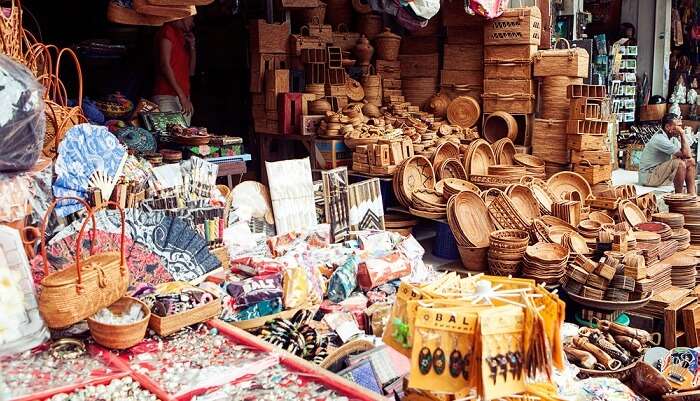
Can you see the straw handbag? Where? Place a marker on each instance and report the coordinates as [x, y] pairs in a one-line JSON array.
[[88, 285], [11, 32], [562, 62], [59, 116]]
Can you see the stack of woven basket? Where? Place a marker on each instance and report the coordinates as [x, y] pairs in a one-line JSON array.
[[506, 251], [558, 69]]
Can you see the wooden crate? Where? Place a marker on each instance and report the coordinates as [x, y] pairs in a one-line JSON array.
[[562, 62], [388, 69], [599, 157], [420, 45], [331, 153], [269, 38], [510, 52], [276, 82], [594, 174], [582, 90], [515, 26], [527, 86], [515, 69], [464, 35], [453, 14], [525, 126], [388, 83], [586, 142], [260, 64], [590, 127], [521, 103], [448, 77], [463, 57], [549, 141], [419, 65], [582, 109]]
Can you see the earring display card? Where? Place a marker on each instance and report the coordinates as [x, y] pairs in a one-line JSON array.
[[292, 194], [335, 193], [444, 357], [366, 206], [502, 353]]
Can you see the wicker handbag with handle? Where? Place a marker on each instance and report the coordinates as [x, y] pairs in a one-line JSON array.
[[86, 286], [11, 32], [59, 116]]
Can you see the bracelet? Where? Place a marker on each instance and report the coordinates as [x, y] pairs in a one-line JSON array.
[[67, 348]]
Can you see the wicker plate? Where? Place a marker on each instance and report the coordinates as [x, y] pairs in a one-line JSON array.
[[631, 213], [478, 158], [504, 151], [472, 218], [417, 173], [601, 218], [547, 253], [426, 215], [568, 182], [611, 305], [444, 151], [464, 111], [524, 202], [557, 233], [429, 197], [398, 221], [451, 168], [526, 160], [576, 243], [557, 222], [544, 196]]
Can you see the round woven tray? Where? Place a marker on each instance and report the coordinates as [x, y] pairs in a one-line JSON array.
[[526, 160], [631, 213], [480, 158], [454, 186], [611, 305], [500, 125], [568, 182], [451, 168], [415, 173], [504, 151], [524, 202], [464, 111], [469, 219], [444, 151]]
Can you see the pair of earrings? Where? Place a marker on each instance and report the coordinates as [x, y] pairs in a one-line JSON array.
[[509, 362], [458, 364]]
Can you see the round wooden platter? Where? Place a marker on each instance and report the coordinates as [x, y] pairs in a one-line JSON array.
[[611, 305], [568, 182], [524, 201], [631, 213], [471, 216]]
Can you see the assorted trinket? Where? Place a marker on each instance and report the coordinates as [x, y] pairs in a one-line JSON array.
[[276, 383], [611, 346], [64, 362], [296, 336], [169, 300], [125, 389]]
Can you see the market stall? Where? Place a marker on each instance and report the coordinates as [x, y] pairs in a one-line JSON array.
[[129, 272]]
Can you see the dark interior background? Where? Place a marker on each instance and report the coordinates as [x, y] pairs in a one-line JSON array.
[[220, 87]]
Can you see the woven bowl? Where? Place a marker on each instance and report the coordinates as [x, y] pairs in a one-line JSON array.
[[509, 238], [451, 168], [473, 259], [120, 336], [547, 253], [478, 158], [444, 151], [524, 201]]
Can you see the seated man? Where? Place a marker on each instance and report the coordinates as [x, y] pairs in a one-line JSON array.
[[667, 158]]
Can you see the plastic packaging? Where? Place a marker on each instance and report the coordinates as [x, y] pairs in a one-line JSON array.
[[22, 120]]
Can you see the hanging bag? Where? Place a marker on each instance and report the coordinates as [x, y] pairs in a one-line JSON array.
[[87, 285], [11, 32], [59, 116]]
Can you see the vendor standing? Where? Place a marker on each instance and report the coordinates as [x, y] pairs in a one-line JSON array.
[[176, 64], [667, 158]]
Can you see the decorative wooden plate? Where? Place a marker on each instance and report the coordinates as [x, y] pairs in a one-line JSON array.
[[611, 305], [444, 151], [504, 150], [540, 190], [417, 173], [429, 197], [524, 202], [557, 222], [464, 111], [456, 185], [479, 157], [631, 213], [568, 182], [547, 252], [472, 218], [451, 168], [526, 160], [426, 215], [601, 218]]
